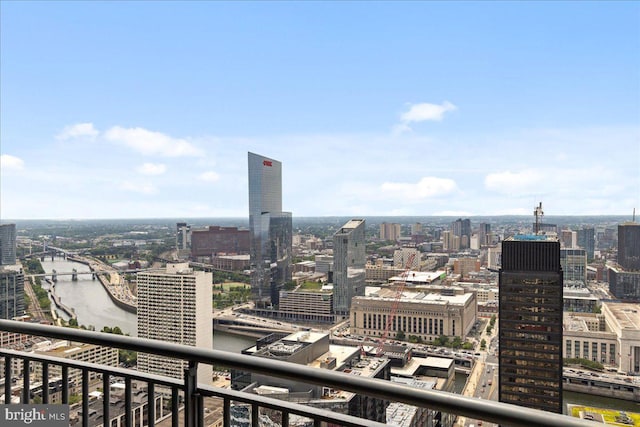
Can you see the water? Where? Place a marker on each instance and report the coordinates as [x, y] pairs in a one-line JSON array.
[[88, 298], [226, 341], [569, 397]]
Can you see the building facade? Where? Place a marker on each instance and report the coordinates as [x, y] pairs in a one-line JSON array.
[[215, 240], [389, 231], [461, 228], [625, 285], [425, 315], [587, 241], [530, 354], [629, 246], [11, 292], [174, 305], [349, 260], [270, 231], [611, 337], [574, 266], [402, 256], [7, 244]]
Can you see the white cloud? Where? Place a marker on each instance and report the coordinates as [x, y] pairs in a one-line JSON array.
[[425, 111], [138, 188], [209, 176], [152, 143], [78, 130], [152, 169], [11, 163], [508, 182], [428, 186]]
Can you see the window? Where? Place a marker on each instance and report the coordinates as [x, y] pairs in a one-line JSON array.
[[568, 350]]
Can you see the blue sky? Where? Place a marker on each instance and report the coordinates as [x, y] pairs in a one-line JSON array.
[[148, 109]]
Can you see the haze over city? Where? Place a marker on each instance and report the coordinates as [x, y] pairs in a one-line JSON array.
[[139, 110]]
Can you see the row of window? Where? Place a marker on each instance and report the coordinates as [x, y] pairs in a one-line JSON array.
[[590, 351], [417, 325]]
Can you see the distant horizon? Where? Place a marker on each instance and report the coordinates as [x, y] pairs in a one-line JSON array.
[[179, 218]]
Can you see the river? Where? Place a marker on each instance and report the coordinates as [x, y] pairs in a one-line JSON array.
[[88, 298]]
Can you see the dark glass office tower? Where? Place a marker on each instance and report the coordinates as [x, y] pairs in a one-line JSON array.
[[270, 231], [530, 352], [629, 246], [587, 241]]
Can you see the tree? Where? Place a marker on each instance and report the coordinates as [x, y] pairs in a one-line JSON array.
[[400, 335], [483, 344]]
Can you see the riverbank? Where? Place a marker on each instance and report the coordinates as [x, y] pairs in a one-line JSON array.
[[106, 284]]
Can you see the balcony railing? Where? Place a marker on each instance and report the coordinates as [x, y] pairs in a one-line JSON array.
[[187, 396]]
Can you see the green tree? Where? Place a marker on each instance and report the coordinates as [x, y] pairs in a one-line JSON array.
[[483, 344], [400, 335]]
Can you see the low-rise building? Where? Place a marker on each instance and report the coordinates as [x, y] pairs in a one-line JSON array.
[[314, 349], [307, 305], [422, 313], [611, 338]]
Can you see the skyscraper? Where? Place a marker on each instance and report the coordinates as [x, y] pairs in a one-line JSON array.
[[587, 241], [530, 353], [270, 231], [174, 305], [7, 244], [462, 228], [629, 246], [348, 265], [11, 292]]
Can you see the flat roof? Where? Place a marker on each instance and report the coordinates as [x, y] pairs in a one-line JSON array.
[[626, 314], [419, 297], [412, 366], [419, 276], [353, 223]]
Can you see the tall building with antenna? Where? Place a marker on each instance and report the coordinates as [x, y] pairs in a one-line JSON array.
[[530, 353]]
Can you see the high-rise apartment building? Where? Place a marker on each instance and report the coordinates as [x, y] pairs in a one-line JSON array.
[[348, 265], [403, 255], [389, 231], [484, 234], [587, 241], [530, 354], [174, 305], [629, 246], [461, 228], [7, 244], [270, 231], [11, 292]]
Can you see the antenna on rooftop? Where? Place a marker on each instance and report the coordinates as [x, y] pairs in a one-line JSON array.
[[537, 212]]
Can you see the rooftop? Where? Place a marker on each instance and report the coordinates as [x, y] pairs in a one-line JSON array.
[[626, 314]]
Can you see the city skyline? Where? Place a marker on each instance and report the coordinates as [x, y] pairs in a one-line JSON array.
[[138, 110]]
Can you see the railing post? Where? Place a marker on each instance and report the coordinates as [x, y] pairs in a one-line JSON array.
[[45, 382], [85, 398], [190, 387], [26, 375], [7, 380], [106, 399]]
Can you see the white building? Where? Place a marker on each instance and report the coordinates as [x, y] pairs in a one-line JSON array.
[[401, 258], [174, 305]]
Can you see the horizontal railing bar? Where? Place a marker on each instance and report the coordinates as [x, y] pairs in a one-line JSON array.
[[102, 369], [208, 391], [497, 412]]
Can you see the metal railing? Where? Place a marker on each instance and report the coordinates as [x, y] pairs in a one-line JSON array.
[[187, 396]]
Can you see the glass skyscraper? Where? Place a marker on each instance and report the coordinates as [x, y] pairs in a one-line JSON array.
[[7, 244], [270, 231], [349, 260]]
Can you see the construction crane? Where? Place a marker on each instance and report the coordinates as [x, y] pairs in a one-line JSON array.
[[394, 307]]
